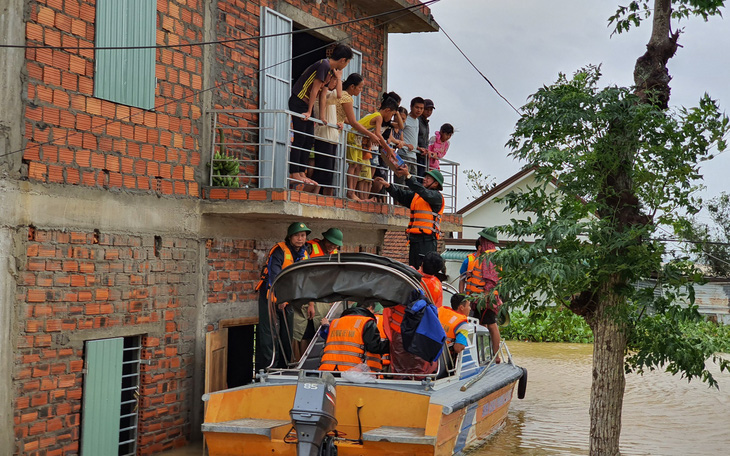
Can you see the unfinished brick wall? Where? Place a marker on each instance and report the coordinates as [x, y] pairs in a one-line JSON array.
[[75, 281], [234, 269], [76, 139]]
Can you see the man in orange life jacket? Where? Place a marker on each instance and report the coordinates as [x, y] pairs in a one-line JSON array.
[[283, 254], [427, 206], [304, 327], [432, 265], [353, 339], [479, 278]]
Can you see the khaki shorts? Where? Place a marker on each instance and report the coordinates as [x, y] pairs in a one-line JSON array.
[[301, 321]]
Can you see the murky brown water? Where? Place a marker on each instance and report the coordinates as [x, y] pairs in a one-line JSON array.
[[663, 414]]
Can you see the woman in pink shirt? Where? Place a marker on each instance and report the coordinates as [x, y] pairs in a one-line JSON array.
[[438, 145]]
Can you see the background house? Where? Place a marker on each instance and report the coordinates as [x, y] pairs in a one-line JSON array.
[[484, 211], [119, 259]]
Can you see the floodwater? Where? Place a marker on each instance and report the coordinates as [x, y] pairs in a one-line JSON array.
[[662, 414]]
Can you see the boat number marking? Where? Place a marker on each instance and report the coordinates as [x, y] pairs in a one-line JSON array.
[[311, 386]]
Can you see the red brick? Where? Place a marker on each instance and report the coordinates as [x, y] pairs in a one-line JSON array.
[[46, 16]]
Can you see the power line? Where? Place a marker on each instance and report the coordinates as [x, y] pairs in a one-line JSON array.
[[479, 71], [216, 85], [231, 40]]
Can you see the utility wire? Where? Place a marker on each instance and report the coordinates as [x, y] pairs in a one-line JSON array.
[[478, 70], [231, 40], [216, 85]]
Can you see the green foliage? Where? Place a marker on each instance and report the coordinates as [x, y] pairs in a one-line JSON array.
[[478, 182], [686, 341], [583, 138], [710, 242], [547, 324], [639, 10]]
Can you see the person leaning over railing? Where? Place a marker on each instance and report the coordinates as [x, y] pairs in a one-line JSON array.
[[374, 122], [327, 138], [305, 92], [345, 111]]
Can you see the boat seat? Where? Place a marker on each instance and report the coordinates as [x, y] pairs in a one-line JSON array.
[[246, 426], [399, 435]]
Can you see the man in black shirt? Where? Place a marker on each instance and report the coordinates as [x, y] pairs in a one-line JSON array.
[[305, 92], [423, 135]]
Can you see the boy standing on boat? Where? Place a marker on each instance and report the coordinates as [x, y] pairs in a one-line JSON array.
[[432, 264], [479, 279], [283, 254]]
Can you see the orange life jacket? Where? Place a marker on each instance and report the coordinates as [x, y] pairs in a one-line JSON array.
[[475, 282], [433, 284], [345, 347], [385, 357], [450, 320], [423, 219], [288, 261], [317, 250], [394, 315]]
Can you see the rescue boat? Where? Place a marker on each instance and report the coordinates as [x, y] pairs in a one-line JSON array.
[[306, 412]]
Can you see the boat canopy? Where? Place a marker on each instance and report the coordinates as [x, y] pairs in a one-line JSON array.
[[348, 276]]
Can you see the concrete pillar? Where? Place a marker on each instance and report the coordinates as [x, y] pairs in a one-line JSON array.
[[7, 339], [12, 31]]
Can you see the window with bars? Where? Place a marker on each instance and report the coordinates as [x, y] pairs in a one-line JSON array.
[[129, 409]]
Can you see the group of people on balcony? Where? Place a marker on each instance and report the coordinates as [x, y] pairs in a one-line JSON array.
[[390, 137], [379, 332]]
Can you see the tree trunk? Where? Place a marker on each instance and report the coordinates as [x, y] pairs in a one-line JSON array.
[[607, 388], [651, 75]]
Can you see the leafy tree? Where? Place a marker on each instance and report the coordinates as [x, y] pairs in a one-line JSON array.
[[624, 163], [711, 243], [478, 182]]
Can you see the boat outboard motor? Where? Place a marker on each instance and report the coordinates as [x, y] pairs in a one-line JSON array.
[[313, 414]]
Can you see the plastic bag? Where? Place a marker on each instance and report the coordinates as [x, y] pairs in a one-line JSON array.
[[359, 374]]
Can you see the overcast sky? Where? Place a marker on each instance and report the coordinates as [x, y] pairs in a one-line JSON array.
[[522, 45]]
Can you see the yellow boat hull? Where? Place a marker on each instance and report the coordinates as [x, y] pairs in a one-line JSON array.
[[255, 420]]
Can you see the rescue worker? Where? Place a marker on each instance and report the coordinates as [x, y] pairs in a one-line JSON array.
[[432, 264], [328, 245], [303, 327], [353, 339], [401, 361], [283, 254], [427, 206], [454, 321], [479, 279]]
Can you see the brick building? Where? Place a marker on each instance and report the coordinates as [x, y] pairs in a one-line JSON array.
[[118, 257]]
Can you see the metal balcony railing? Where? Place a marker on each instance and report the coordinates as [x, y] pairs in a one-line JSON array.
[[250, 148]]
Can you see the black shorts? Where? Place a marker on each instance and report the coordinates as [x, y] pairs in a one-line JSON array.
[[488, 317]]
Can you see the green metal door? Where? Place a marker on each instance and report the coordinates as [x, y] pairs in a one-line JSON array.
[[102, 397], [126, 76]]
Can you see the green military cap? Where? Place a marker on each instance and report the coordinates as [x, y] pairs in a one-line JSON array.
[[438, 177], [490, 234], [334, 236], [297, 227]]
